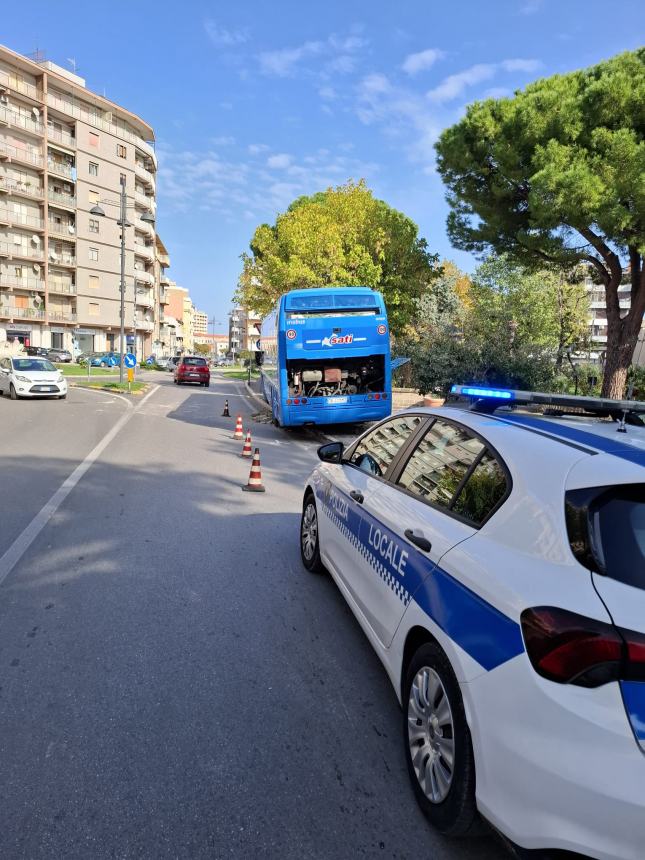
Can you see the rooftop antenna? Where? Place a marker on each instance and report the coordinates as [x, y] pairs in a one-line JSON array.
[[72, 62], [37, 56]]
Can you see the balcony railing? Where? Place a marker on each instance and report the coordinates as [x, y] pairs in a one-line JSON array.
[[21, 313], [163, 296], [64, 199], [144, 251], [26, 189], [74, 110], [143, 173], [144, 277], [143, 200], [62, 230], [145, 325], [7, 216], [60, 136], [61, 316], [21, 282], [145, 300], [62, 259], [10, 249], [25, 156], [17, 120], [20, 86], [56, 285], [61, 169]]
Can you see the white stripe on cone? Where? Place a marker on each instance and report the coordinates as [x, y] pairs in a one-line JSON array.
[[239, 430]]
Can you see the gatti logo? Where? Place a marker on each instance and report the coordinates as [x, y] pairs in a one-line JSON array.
[[337, 340]]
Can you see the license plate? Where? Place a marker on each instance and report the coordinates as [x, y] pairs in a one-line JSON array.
[[194, 375], [337, 400]]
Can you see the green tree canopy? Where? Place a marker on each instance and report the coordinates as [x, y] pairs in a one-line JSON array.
[[342, 236], [557, 174]]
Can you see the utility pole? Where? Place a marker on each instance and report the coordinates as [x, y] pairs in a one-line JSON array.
[[122, 222]]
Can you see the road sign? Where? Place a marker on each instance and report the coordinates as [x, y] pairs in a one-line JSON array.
[[129, 360], [130, 374]]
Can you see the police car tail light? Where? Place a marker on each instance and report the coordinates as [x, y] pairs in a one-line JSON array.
[[571, 649]]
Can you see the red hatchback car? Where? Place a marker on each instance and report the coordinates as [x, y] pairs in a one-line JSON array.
[[192, 368]]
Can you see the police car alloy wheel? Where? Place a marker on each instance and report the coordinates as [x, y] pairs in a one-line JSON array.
[[437, 742], [309, 546]]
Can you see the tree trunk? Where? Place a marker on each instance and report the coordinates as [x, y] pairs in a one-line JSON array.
[[621, 343]]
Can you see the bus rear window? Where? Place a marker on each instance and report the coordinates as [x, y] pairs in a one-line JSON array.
[[331, 302]]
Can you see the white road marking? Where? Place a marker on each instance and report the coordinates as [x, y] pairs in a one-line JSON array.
[[25, 539]]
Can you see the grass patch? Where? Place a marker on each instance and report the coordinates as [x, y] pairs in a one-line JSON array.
[[137, 387], [238, 372], [81, 370]]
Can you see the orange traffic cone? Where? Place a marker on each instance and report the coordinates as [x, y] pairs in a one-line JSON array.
[[247, 451], [255, 478], [239, 430], [226, 413]]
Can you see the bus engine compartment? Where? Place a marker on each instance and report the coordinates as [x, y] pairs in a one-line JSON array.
[[342, 376]]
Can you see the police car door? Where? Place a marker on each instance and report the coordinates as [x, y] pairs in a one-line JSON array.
[[356, 481], [409, 526]]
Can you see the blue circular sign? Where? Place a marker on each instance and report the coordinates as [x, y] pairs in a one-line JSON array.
[[129, 360]]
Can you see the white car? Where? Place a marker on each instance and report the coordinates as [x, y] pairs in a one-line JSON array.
[[31, 377], [495, 558]]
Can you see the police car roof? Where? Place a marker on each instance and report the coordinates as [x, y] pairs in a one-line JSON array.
[[542, 434]]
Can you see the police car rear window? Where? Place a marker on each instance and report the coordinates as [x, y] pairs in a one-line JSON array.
[[620, 520]]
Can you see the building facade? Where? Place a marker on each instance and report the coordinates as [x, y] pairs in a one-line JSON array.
[[243, 331], [597, 319], [217, 344], [200, 322], [63, 150]]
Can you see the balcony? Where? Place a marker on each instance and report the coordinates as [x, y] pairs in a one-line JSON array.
[[144, 298], [61, 286], [22, 252], [144, 174], [61, 258], [61, 316], [144, 277], [63, 137], [22, 156], [146, 251], [68, 200], [21, 189], [62, 231], [13, 119], [21, 313], [61, 168], [18, 219], [145, 325], [26, 89], [21, 282], [144, 201], [163, 297]]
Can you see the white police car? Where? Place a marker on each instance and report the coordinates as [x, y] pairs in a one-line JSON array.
[[496, 560]]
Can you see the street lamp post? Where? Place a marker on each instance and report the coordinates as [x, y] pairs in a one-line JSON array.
[[123, 223]]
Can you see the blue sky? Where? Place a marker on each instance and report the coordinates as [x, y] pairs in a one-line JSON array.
[[255, 103]]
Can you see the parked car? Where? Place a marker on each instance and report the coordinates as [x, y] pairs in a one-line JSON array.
[[38, 351], [173, 361], [193, 368], [105, 359], [163, 363], [31, 377], [62, 356]]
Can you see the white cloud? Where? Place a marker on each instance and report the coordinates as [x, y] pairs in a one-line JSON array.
[[281, 63], [453, 86], [415, 63], [530, 7], [220, 36], [257, 148], [327, 93], [223, 140], [338, 53], [520, 65], [279, 161]]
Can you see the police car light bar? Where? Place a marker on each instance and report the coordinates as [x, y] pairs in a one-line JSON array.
[[489, 399]]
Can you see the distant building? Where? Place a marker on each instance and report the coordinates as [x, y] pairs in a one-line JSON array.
[[217, 343], [597, 319], [243, 330], [200, 322]]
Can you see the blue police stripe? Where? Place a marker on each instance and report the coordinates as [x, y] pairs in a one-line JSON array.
[[581, 437], [480, 629], [634, 699]]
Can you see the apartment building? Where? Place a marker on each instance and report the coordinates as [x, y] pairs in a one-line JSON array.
[[179, 313], [597, 319], [64, 150], [243, 330], [217, 343], [200, 322]]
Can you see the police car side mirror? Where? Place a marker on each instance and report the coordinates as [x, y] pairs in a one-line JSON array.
[[331, 453]]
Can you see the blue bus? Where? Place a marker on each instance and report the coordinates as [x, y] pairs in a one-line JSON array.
[[326, 357]]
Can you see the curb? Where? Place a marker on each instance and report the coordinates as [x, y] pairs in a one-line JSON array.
[[257, 397], [124, 394]]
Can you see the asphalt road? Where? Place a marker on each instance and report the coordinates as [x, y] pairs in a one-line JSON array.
[[173, 684]]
